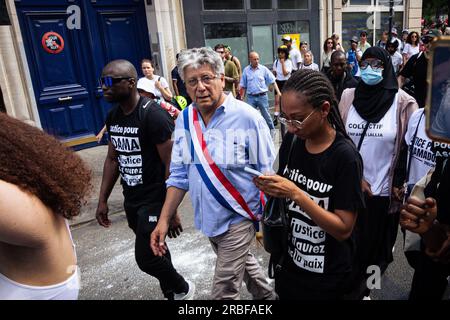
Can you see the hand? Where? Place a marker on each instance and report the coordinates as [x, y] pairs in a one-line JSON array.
[[158, 239], [99, 136], [102, 215], [366, 188], [437, 242], [175, 227], [276, 186], [398, 193], [417, 215]]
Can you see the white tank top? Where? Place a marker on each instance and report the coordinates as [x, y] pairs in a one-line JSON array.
[[378, 146], [66, 290]]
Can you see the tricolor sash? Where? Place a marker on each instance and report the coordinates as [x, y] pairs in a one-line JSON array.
[[217, 183]]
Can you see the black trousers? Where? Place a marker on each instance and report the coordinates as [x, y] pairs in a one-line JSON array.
[[142, 219], [429, 280], [309, 286], [375, 235]]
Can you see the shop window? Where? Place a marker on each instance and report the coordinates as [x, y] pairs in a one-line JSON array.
[[360, 2], [223, 5], [261, 4], [231, 34], [263, 43], [355, 22], [292, 4], [298, 30]]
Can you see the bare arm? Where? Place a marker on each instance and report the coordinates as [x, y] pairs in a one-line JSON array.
[[283, 67], [110, 176], [165, 151], [164, 91], [175, 87], [401, 81]]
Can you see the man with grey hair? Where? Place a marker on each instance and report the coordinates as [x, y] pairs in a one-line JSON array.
[[216, 137]]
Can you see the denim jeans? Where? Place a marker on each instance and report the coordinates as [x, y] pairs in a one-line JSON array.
[[261, 103]]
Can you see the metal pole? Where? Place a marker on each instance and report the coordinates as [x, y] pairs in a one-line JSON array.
[[391, 17]]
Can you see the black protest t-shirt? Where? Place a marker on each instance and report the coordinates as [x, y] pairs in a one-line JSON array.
[[333, 180], [141, 169], [416, 67]]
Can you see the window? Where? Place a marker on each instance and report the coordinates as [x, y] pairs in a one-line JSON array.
[[292, 4], [261, 4], [299, 31], [355, 22], [223, 4], [360, 2], [263, 43], [231, 34]]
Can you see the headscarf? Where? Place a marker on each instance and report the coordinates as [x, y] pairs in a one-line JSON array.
[[372, 102]]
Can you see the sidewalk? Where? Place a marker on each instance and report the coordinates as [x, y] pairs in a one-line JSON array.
[[94, 158]]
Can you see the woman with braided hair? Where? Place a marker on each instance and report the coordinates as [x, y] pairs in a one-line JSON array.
[[320, 179], [42, 185]]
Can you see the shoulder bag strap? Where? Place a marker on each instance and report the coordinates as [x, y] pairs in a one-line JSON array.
[[411, 148], [363, 135]]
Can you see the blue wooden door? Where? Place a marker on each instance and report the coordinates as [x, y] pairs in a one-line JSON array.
[[119, 30], [65, 64]]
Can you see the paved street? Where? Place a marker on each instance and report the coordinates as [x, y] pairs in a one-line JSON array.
[[108, 269]]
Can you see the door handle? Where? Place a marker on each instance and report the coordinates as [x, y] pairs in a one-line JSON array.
[[68, 98]]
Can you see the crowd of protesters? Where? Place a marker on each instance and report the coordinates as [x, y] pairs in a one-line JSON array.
[[350, 125]]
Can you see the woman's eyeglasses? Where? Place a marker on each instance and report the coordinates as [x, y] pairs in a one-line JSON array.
[[110, 81], [375, 64], [295, 123]]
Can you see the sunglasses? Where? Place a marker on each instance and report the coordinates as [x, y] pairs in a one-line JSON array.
[[110, 81], [375, 64]]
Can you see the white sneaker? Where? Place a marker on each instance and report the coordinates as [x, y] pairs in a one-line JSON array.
[[366, 298], [186, 296]]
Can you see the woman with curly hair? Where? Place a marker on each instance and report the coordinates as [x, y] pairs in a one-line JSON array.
[[42, 185]]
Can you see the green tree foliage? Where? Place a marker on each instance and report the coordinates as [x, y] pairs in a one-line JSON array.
[[435, 8]]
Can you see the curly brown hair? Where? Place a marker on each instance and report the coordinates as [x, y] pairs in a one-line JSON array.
[[40, 164]]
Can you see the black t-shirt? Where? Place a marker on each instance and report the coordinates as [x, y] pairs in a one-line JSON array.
[[180, 83], [141, 169], [333, 180], [416, 67]]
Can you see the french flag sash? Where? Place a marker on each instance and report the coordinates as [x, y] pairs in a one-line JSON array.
[[217, 183]]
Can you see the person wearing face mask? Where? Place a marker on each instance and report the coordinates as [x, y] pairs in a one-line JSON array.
[[376, 115]]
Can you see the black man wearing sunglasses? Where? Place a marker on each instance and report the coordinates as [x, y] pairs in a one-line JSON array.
[[139, 150]]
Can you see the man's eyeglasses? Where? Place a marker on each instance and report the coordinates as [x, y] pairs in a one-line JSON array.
[[295, 123], [206, 80], [110, 81], [375, 64]]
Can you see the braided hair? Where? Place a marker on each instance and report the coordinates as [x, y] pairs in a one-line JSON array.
[[317, 88]]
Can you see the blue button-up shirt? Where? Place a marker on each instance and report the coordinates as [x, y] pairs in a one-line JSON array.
[[256, 80], [236, 136]]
